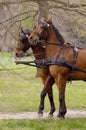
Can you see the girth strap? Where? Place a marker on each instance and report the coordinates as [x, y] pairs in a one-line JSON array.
[[75, 57], [73, 67]]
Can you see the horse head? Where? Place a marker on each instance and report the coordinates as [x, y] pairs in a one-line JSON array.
[[23, 44], [40, 32], [45, 30]]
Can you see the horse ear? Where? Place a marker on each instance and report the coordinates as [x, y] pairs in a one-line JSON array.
[[42, 19], [49, 20], [23, 31]]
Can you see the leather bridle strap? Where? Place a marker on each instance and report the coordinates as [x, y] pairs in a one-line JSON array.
[[37, 33], [52, 43], [19, 48]]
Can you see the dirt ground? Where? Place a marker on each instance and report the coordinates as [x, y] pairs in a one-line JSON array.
[[34, 115]]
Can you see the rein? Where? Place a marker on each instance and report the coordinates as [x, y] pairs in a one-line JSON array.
[[36, 54], [50, 43], [35, 63]]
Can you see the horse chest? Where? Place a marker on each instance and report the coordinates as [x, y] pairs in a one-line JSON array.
[[55, 70]]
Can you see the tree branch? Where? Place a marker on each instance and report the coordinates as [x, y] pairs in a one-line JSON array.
[[29, 11], [66, 4]]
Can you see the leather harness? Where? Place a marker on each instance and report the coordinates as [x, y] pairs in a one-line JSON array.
[[61, 62]]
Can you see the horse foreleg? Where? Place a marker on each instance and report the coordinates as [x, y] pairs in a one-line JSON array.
[[61, 83], [62, 106], [47, 89], [50, 96], [41, 106]]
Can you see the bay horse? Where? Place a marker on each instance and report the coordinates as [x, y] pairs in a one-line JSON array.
[[66, 62], [39, 53]]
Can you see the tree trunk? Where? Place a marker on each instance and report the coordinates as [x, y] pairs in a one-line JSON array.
[[43, 9]]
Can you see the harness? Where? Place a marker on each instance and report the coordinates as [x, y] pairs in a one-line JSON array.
[[46, 62], [61, 62]]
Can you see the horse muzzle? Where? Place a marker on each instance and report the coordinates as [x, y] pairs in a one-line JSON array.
[[33, 42]]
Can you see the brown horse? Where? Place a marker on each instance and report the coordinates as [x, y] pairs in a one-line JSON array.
[[65, 62], [39, 53]]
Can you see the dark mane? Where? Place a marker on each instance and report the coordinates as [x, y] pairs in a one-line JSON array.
[[58, 34], [27, 31], [23, 37]]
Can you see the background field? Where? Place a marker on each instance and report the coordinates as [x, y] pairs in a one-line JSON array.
[[20, 89], [47, 124]]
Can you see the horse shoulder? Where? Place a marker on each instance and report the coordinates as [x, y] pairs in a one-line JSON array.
[[55, 70]]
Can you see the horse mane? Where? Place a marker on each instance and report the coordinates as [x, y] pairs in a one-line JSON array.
[[58, 34], [27, 31], [22, 35]]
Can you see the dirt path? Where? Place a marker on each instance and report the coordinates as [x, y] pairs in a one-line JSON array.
[[33, 115]]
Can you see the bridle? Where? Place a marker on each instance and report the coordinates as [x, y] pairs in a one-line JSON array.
[[30, 54], [23, 45], [23, 39], [45, 27]]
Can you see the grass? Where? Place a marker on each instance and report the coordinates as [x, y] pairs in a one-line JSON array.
[[43, 124], [20, 89]]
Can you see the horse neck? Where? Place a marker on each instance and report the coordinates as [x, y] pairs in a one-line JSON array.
[[51, 48], [39, 52], [52, 37]]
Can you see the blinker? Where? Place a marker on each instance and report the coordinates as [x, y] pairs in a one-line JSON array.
[[46, 26], [26, 35]]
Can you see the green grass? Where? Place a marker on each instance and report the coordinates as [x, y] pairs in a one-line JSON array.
[[43, 124], [20, 90]]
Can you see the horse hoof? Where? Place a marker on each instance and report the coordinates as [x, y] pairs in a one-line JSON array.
[[40, 114], [61, 117], [50, 115]]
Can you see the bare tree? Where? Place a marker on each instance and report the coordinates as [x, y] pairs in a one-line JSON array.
[[43, 9], [69, 15]]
